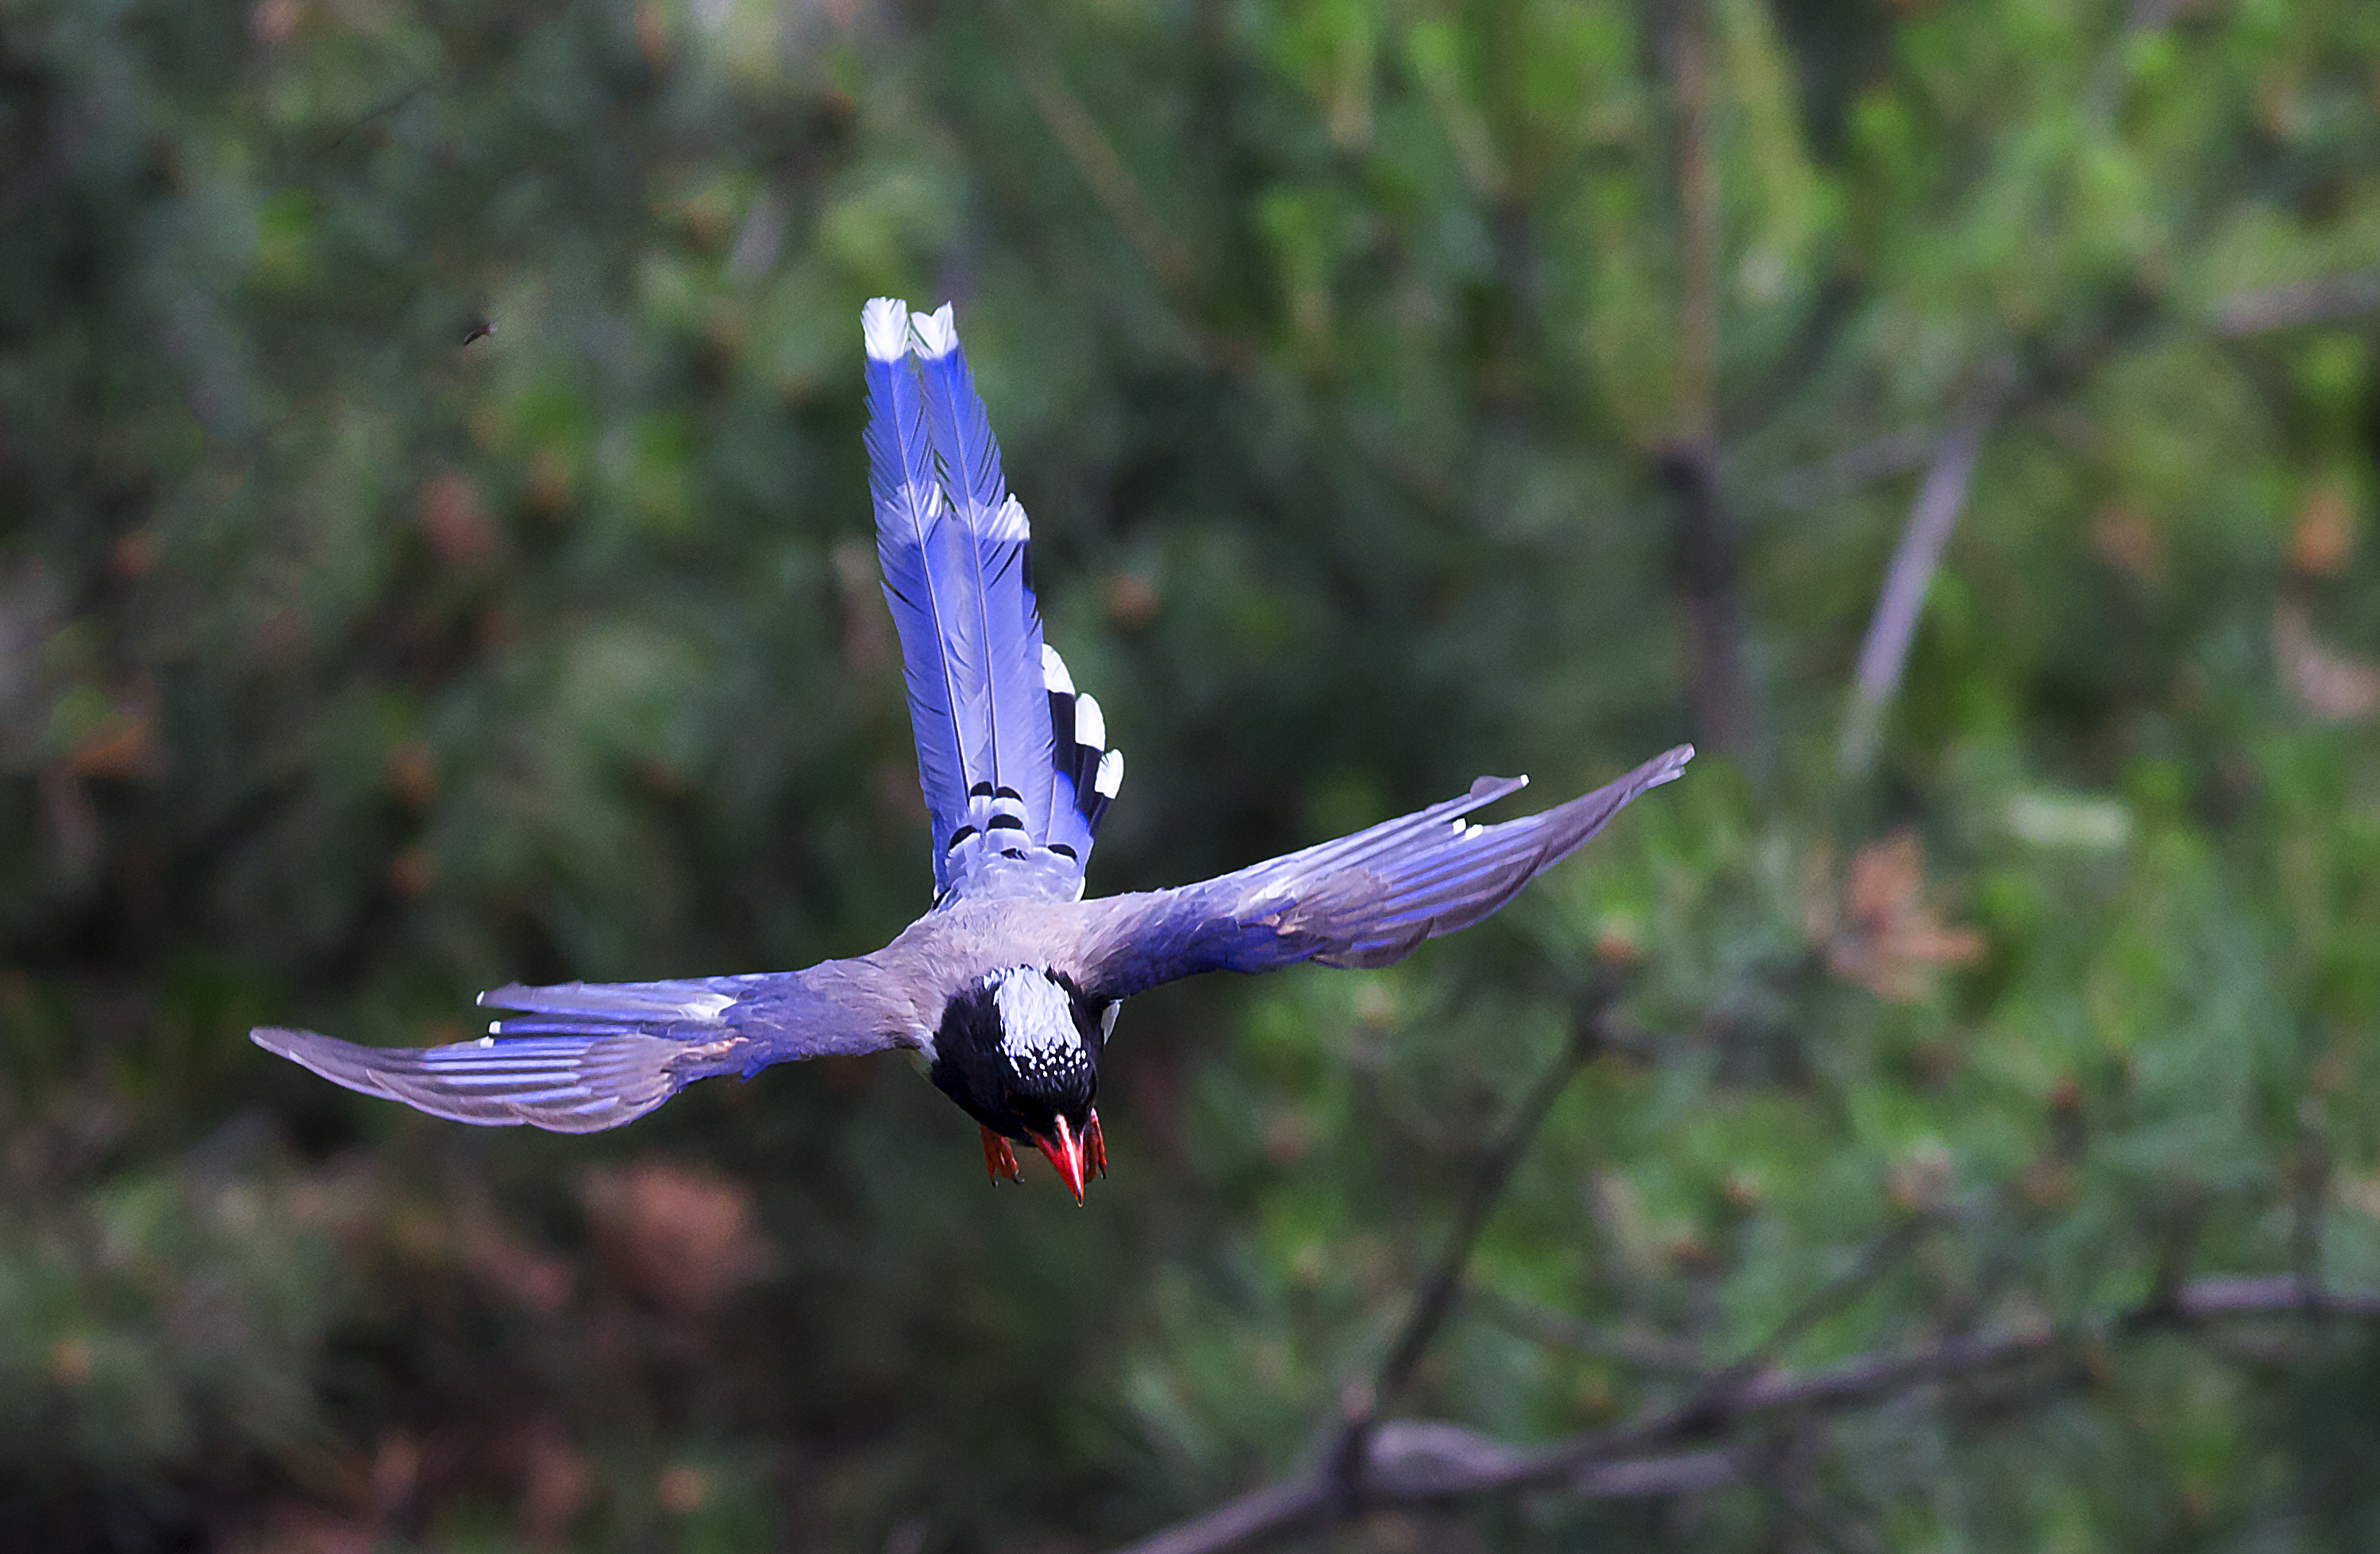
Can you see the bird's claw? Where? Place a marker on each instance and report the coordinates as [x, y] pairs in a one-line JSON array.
[[998, 1157], [1095, 1149]]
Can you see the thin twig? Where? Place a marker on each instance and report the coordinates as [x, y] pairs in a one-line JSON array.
[[1486, 1188], [371, 115], [1413, 1461], [1885, 651], [1698, 228], [1353, 1448], [1778, 1472], [2272, 1295], [1702, 535], [1874, 1264], [1655, 1357], [1894, 453], [1095, 158]]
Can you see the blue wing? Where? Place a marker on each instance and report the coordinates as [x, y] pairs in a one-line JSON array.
[[585, 1056], [1363, 900]]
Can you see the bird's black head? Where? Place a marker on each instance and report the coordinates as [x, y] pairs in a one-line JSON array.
[[1020, 1050]]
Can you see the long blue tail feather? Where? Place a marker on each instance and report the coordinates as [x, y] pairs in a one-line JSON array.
[[1007, 753], [1016, 709], [925, 557]]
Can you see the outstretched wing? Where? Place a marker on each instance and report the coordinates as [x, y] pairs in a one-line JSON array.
[[585, 1056], [1364, 899]]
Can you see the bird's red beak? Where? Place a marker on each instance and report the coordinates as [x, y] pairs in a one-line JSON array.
[[1066, 1155], [1077, 1158]]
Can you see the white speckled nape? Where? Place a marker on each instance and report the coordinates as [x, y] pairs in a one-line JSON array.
[[1036, 1019]]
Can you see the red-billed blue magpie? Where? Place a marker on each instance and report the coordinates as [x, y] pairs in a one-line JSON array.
[[1009, 984]]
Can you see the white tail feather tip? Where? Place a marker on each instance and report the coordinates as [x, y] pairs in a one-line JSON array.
[[937, 333], [1090, 724], [1008, 524], [885, 323], [1054, 678], [1111, 777]]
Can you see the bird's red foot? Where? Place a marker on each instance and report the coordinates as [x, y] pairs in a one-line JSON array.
[[1095, 1148], [998, 1157]]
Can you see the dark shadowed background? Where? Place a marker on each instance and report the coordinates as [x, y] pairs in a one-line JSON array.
[[434, 552]]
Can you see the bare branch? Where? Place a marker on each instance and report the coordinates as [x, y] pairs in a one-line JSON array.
[[1415, 1454], [1262, 1514], [1684, 1473], [1416, 1461], [1894, 453], [2323, 300], [2274, 1295]]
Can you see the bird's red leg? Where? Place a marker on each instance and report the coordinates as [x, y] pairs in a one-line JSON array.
[[998, 1157], [1094, 1146]]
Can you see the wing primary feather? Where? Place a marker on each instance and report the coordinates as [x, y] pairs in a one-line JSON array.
[[580, 1056], [608, 1080]]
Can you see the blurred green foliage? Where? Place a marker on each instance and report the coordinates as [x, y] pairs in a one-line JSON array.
[[434, 552]]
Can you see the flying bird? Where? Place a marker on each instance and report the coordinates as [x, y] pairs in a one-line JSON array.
[[1009, 984]]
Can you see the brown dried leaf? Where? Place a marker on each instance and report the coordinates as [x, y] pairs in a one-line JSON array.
[[274, 22], [133, 555], [2334, 686], [458, 526], [683, 1238], [413, 773], [2324, 537], [2128, 541], [122, 745], [1880, 932], [1131, 601], [558, 1482], [551, 490], [499, 1258], [291, 1528], [412, 872]]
